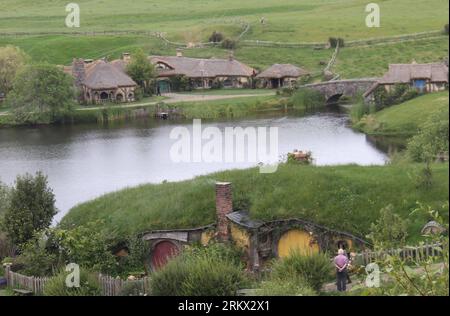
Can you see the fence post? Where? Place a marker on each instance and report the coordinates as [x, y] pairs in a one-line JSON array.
[[7, 274]]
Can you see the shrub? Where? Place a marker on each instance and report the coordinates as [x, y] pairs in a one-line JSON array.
[[314, 269], [307, 99], [135, 288], [358, 111], [89, 246], [280, 287], [211, 271], [35, 259], [216, 37], [431, 142], [446, 29], [89, 285], [389, 230], [229, 44], [334, 42], [400, 93]]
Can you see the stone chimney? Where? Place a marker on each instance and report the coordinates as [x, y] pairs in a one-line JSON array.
[[224, 206], [126, 57], [179, 52], [78, 71]]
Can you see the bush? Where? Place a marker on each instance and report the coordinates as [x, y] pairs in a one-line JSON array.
[[216, 37], [307, 99], [229, 44], [35, 259], [134, 288], [211, 271], [389, 230], [334, 42], [280, 287], [399, 94], [89, 246], [89, 285], [446, 29], [358, 111], [431, 143], [313, 269]]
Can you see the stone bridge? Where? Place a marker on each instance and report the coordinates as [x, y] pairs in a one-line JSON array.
[[334, 90]]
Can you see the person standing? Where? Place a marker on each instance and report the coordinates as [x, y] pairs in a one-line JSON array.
[[341, 264]]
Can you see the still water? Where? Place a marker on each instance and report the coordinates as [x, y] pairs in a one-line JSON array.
[[85, 161]]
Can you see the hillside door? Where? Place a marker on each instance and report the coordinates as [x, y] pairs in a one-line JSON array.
[[162, 253]]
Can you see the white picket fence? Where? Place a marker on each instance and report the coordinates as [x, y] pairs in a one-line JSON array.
[[416, 253]]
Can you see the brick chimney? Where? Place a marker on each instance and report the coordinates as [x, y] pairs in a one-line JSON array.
[[224, 206]]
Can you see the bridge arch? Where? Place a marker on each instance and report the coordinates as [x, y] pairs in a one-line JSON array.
[[334, 98], [334, 90]]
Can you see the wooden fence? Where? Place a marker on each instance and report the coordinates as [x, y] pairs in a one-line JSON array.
[[33, 284], [110, 286], [407, 253], [113, 286]]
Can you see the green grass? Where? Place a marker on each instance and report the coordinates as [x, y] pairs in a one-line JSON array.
[[343, 197], [231, 92], [373, 61], [404, 118], [352, 62], [193, 20], [287, 21], [230, 108], [6, 292], [212, 109]]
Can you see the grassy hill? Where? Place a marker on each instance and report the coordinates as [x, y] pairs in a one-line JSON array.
[[286, 21], [194, 20], [344, 197], [404, 118]]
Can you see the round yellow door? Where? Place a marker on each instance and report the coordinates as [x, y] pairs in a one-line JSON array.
[[296, 241]]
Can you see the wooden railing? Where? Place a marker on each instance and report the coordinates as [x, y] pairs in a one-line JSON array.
[[110, 286]]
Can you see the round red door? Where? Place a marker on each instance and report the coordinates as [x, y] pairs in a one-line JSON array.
[[162, 252]]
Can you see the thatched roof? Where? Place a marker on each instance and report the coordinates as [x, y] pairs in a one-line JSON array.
[[103, 75], [279, 71], [404, 73], [100, 74], [202, 68]]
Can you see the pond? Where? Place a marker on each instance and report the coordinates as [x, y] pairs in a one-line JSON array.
[[85, 161]]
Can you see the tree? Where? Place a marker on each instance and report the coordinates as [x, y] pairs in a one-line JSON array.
[[31, 209], [41, 93], [12, 60], [142, 71]]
